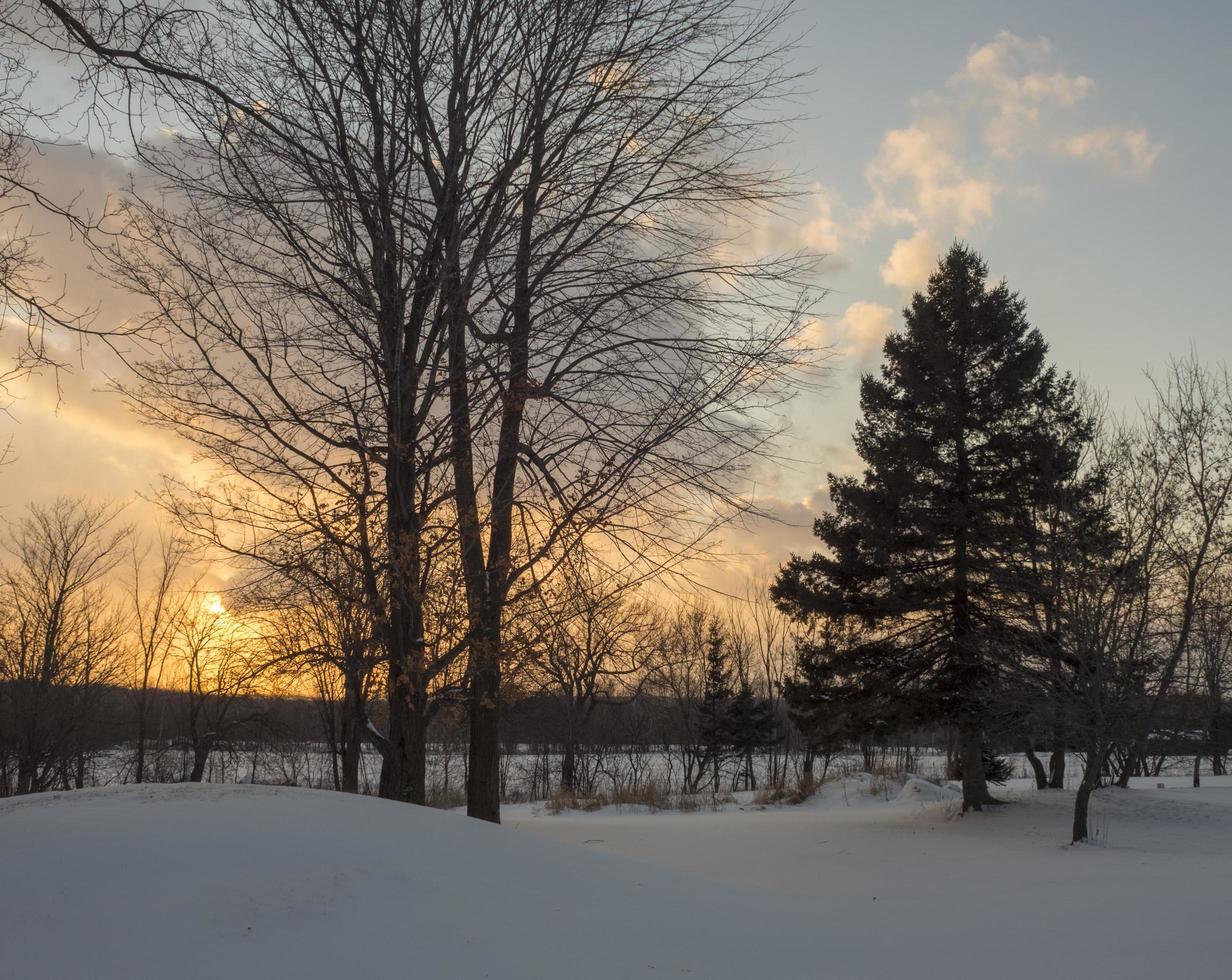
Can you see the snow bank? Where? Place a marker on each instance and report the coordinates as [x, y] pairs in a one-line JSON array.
[[237, 882], [920, 791], [213, 881]]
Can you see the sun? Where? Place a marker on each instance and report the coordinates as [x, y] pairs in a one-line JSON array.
[[213, 605]]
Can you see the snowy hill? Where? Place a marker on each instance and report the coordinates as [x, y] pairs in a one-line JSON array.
[[211, 881], [207, 881]]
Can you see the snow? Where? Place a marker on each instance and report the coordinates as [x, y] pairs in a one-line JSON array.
[[868, 879]]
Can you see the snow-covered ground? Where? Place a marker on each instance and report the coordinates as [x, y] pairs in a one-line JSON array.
[[243, 881]]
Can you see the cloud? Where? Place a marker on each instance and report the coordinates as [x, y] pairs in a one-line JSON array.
[[912, 260], [944, 173], [1018, 82], [810, 224], [1122, 151], [858, 333], [917, 179], [821, 232], [865, 326]]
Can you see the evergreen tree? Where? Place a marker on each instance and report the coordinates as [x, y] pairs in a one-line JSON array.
[[714, 725], [829, 713], [959, 435], [751, 727]]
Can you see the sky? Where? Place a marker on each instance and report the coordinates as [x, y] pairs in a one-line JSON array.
[[1083, 148]]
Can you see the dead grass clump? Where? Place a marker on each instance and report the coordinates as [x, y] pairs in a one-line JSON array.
[[568, 800], [783, 794], [443, 799], [649, 794]]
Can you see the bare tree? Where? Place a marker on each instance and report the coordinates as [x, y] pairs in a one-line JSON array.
[[322, 627], [593, 650], [159, 606], [679, 651], [1186, 456], [610, 365], [289, 277], [1213, 651], [540, 200], [1105, 648], [219, 664], [59, 636], [761, 630]]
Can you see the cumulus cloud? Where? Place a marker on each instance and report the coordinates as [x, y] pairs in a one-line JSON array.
[[916, 178], [911, 261], [1018, 82], [1122, 151], [821, 231], [865, 326], [857, 333], [945, 172], [811, 224]]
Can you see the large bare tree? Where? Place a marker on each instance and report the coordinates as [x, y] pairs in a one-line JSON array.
[[500, 237]]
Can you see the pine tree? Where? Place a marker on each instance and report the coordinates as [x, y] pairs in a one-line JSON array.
[[714, 725], [959, 436], [751, 727], [830, 713]]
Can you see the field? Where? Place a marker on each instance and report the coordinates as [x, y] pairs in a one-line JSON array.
[[866, 880]]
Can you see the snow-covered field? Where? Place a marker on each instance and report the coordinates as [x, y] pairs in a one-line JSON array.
[[250, 881]]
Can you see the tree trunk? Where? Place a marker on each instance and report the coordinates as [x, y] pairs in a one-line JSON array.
[[568, 767], [407, 755], [201, 755], [25, 776], [1213, 735], [1082, 801], [1197, 770], [139, 766], [1129, 766], [483, 788], [1056, 764], [353, 724], [1037, 767], [974, 785], [1096, 758]]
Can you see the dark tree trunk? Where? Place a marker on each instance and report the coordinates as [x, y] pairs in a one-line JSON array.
[[25, 775], [568, 766], [1197, 770], [1213, 735], [139, 766], [201, 756], [1129, 766], [1056, 763], [405, 642], [1096, 759], [974, 784], [1082, 802], [1037, 767], [404, 764], [353, 723], [483, 788]]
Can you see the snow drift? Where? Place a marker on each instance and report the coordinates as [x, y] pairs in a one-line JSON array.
[[866, 880], [214, 881]]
